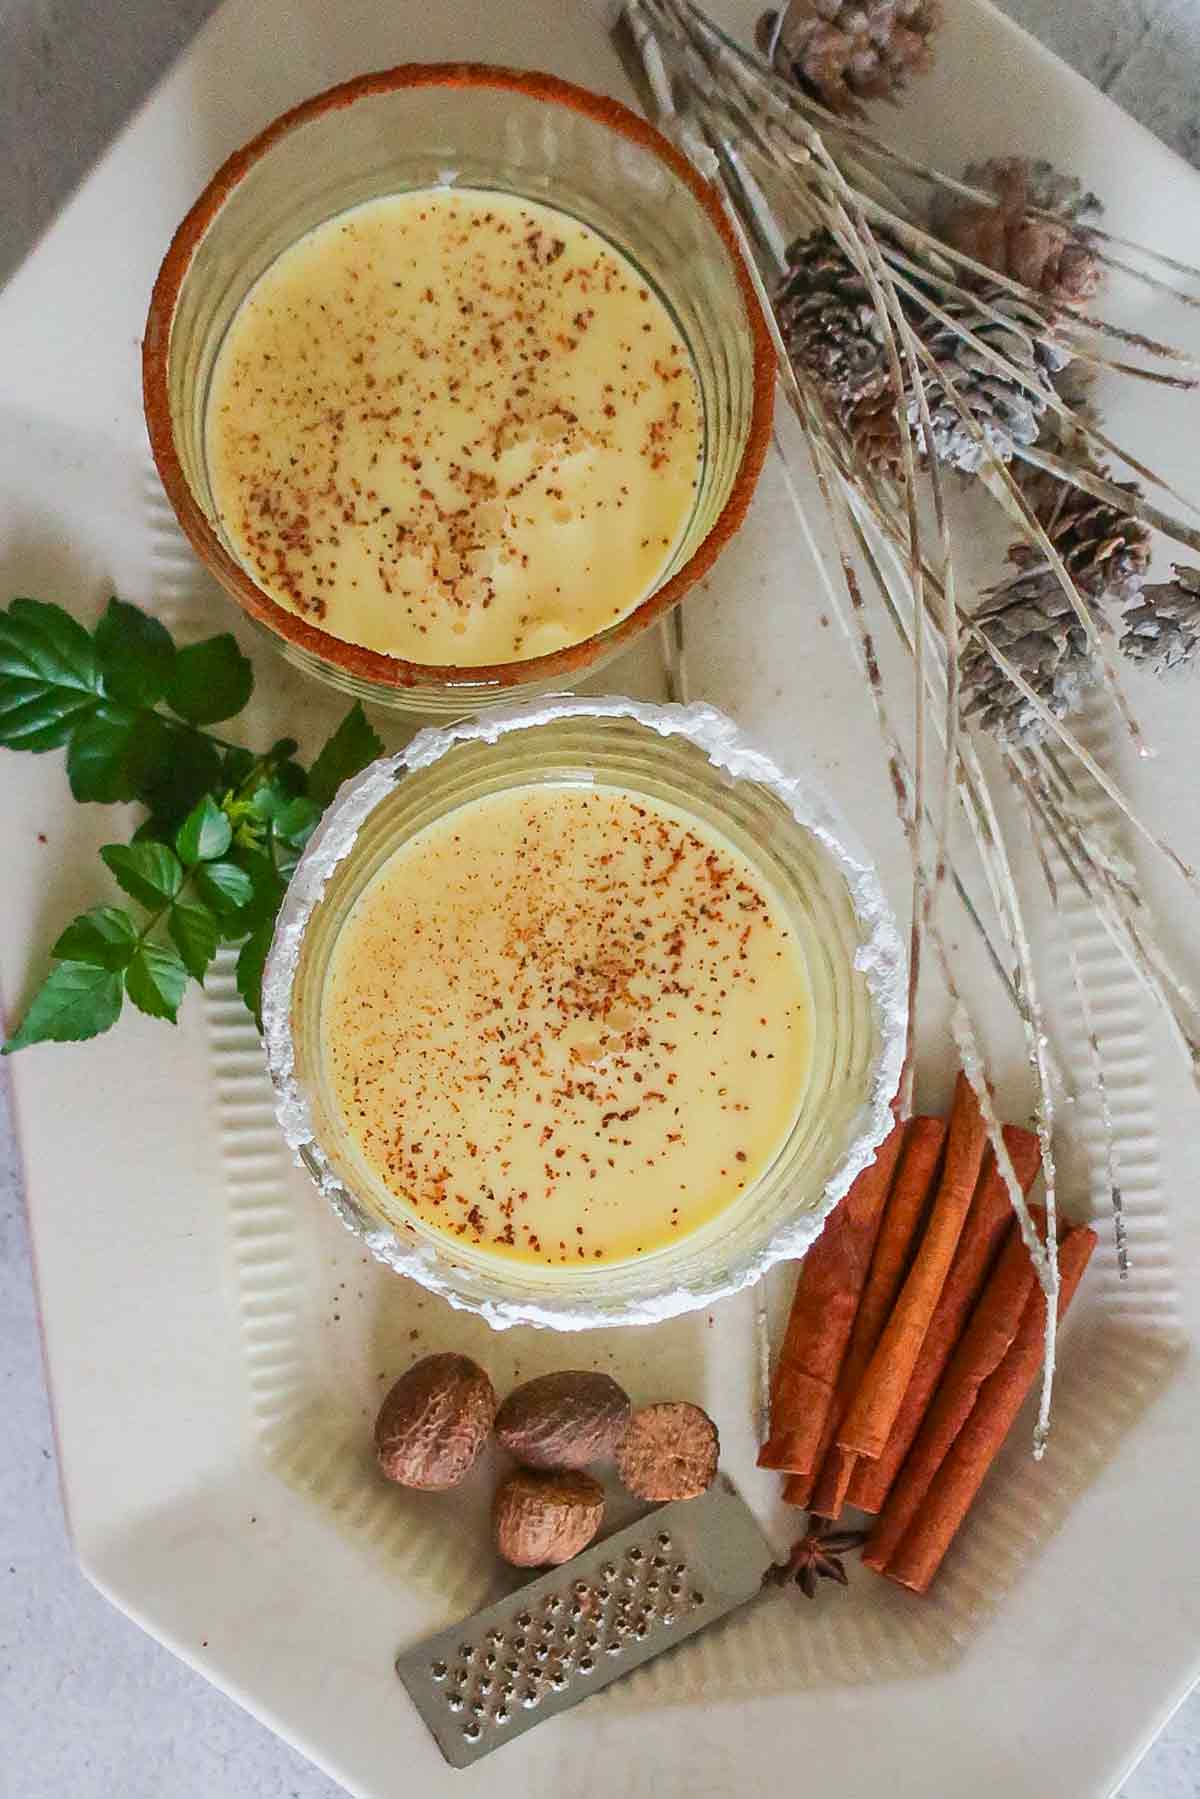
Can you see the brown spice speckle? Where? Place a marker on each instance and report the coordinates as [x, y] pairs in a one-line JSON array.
[[506, 1039]]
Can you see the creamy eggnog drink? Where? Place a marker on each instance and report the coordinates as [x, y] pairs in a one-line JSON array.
[[566, 1025], [454, 426]]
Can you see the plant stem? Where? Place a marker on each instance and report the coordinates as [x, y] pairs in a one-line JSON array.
[[156, 918], [181, 724]]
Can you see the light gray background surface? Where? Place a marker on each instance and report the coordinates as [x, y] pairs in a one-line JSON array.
[[90, 1708]]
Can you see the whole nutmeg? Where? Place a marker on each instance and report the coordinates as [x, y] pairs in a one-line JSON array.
[[670, 1451], [544, 1518], [434, 1422], [564, 1420]]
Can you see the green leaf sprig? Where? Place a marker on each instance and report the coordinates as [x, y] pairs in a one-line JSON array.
[[224, 828]]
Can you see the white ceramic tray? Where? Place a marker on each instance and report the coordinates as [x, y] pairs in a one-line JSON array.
[[217, 1344]]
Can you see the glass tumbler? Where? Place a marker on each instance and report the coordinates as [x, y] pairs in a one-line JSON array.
[[695, 759], [414, 127]]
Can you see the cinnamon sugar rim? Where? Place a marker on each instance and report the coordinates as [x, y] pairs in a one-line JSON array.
[[355, 659]]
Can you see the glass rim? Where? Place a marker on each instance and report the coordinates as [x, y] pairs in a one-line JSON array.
[[355, 660], [879, 959]]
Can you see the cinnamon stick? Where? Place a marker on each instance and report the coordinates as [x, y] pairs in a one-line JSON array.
[[830, 1284], [829, 1490], [915, 1174], [798, 1488], [988, 1338], [960, 1476], [876, 1405], [983, 1233]]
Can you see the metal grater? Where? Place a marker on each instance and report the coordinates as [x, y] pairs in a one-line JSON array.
[[582, 1626]]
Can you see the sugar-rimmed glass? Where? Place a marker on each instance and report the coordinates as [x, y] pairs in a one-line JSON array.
[[415, 127], [693, 758]]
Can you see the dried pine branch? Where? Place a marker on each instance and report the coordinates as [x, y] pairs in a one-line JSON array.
[[925, 893], [903, 348]]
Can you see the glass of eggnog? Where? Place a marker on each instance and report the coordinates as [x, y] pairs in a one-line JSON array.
[[456, 381], [583, 1012]]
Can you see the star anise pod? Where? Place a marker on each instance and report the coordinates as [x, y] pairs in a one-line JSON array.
[[817, 1556]]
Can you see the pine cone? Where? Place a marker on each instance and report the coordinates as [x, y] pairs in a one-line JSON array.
[[842, 52], [1055, 259], [1008, 413], [875, 433], [832, 332], [1032, 624], [828, 322], [1106, 550], [1162, 632]]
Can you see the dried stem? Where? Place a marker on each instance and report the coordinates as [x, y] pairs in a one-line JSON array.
[[1102, 489], [966, 776], [1095, 1057]]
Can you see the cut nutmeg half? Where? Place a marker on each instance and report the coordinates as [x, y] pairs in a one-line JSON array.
[[564, 1420], [541, 1518], [670, 1451], [434, 1422]]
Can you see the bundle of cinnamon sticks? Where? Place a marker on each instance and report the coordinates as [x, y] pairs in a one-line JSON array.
[[915, 1333]]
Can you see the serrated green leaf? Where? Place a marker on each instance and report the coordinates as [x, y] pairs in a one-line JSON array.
[[195, 934], [76, 1000], [291, 829], [189, 767], [250, 963], [352, 746], [225, 886], [268, 800], [112, 752], [205, 833], [150, 873], [105, 937], [268, 888], [155, 980], [286, 859], [297, 821], [265, 886], [97, 760], [49, 675], [135, 653], [210, 681]]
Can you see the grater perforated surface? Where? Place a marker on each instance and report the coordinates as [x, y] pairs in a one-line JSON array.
[[580, 1627]]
